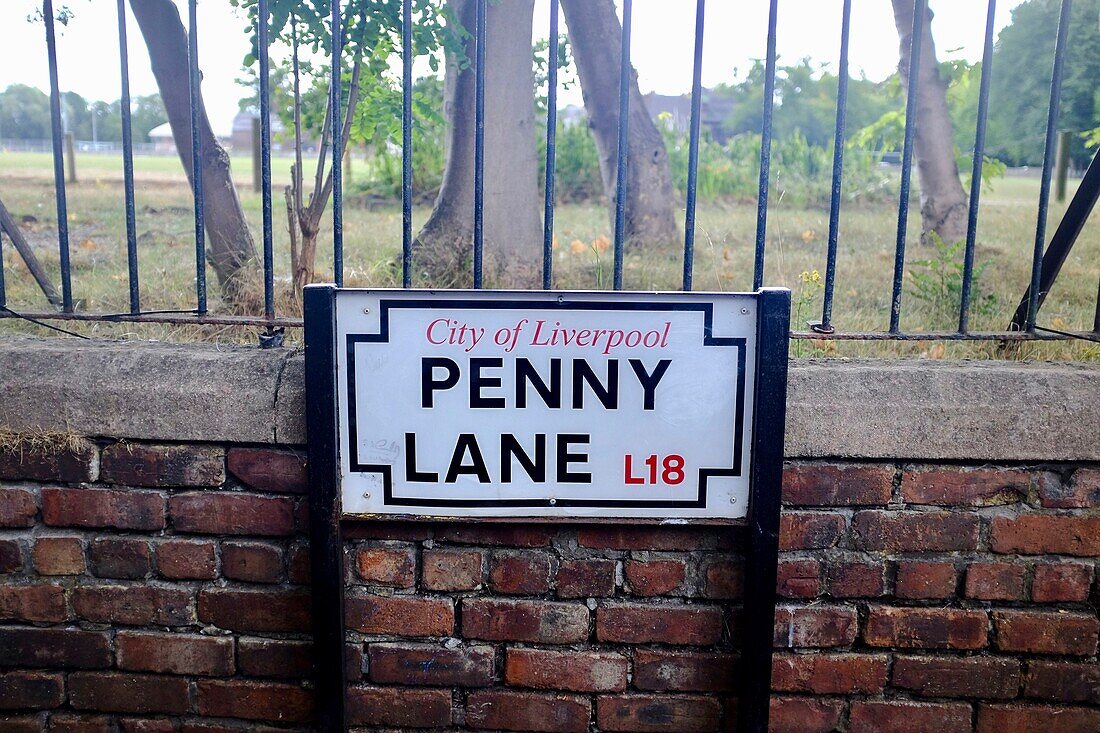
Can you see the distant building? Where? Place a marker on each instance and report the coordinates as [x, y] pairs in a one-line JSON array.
[[164, 142]]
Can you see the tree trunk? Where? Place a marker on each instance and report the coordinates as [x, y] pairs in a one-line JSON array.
[[594, 32], [943, 206], [512, 225], [229, 241]]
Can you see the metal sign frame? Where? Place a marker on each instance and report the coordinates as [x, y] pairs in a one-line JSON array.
[[762, 521]]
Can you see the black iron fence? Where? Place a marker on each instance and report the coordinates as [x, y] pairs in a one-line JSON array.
[[1045, 264]]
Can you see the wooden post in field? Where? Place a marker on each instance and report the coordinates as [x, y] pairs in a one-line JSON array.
[[70, 155], [1061, 165], [257, 177]]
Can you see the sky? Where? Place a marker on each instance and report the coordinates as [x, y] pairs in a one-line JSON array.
[[661, 48]]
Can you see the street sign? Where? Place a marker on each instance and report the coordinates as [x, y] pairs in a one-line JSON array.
[[581, 406], [489, 404]]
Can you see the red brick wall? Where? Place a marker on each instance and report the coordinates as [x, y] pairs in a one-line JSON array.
[[165, 588]]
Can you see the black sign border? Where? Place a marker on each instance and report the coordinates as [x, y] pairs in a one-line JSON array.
[[383, 336]]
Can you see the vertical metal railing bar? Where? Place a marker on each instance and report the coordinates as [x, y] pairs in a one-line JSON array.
[[196, 156], [915, 42], [263, 21], [3, 291], [622, 145], [551, 150], [58, 161], [336, 142], [406, 142], [693, 146], [479, 142], [1048, 163], [976, 172], [765, 150], [826, 325], [128, 162]]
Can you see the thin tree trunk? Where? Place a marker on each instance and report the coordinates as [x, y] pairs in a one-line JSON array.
[[594, 32], [943, 202], [229, 240], [512, 225]]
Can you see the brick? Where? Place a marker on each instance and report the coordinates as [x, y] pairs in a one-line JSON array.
[[575, 671], [855, 579], [251, 700], [1063, 681], [965, 486], [33, 603], [798, 579], [803, 715], [809, 530], [914, 531], [633, 537], [819, 485], [909, 717], [815, 626], [406, 707], [54, 648], [1066, 582], [397, 531], [58, 556], [452, 570], [520, 573], [654, 578], [978, 677], [30, 691], [134, 605], [725, 580], [544, 622], [401, 615], [186, 560], [1046, 632], [829, 674], [262, 611], [253, 562], [17, 508], [71, 461], [432, 665], [120, 558], [671, 671], [926, 580], [120, 692], [925, 628], [1036, 719], [11, 557], [1081, 491], [106, 508], [1042, 534], [510, 535], [298, 569], [136, 464], [274, 657], [680, 713], [20, 723], [995, 581], [527, 711], [175, 653], [639, 624], [269, 469], [590, 578], [67, 723], [222, 513], [146, 725], [390, 566]]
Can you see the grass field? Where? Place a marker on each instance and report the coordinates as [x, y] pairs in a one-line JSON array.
[[797, 237]]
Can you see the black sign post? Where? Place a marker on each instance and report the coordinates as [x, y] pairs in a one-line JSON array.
[[323, 425]]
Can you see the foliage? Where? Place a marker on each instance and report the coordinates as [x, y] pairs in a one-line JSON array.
[[25, 115], [1021, 81], [938, 282]]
